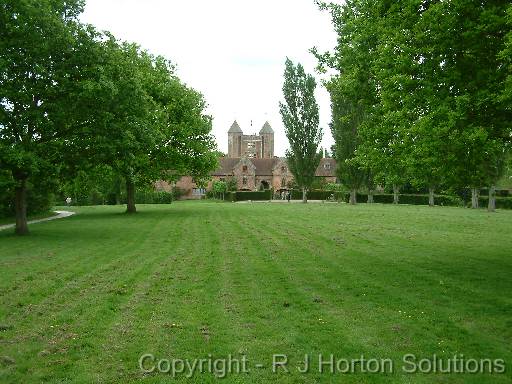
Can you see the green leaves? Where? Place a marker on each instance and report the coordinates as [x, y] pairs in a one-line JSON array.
[[73, 98], [421, 86], [300, 118]]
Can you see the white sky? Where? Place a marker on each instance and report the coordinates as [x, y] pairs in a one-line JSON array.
[[232, 51]]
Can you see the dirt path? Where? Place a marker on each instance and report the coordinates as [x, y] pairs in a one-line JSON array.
[[59, 215]]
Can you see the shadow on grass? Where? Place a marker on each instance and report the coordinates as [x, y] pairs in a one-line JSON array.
[[87, 222], [143, 212]]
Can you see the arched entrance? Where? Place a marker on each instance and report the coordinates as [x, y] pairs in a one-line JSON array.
[[264, 185]]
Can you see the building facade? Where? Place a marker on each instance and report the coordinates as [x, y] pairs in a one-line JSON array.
[[254, 146], [251, 162]]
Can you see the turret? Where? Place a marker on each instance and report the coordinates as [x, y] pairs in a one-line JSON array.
[[267, 139], [235, 140]]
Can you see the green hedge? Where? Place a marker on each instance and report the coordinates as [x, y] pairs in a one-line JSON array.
[[499, 192], [317, 194], [249, 195], [413, 199], [501, 202], [150, 197], [382, 198], [141, 197]]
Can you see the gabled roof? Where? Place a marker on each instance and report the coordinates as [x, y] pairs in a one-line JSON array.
[[226, 166], [327, 167], [235, 128], [266, 128], [265, 167]]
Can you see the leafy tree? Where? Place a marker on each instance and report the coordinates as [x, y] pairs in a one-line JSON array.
[[47, 58], [92, 185], [354, 92], [439, 86], [151, 126], [219, 188], [464, 42], [346, 118], [300, 118], [231, 184]]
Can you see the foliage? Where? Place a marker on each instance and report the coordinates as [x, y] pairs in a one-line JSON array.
[[250, 195], [40, 194], [94, 186], [501, 202], [319, 194], [75, 100], [231, 184], [425, 84], [47, 60], [335, 187], [219, 188], [300, 118]]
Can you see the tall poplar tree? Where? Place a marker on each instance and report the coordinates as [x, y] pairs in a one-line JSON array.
[[301, 121]]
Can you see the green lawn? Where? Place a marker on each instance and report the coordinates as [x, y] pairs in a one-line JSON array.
[[11, 220], [82, 298]]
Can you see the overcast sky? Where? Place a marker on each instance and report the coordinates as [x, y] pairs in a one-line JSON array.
[[232, 51]]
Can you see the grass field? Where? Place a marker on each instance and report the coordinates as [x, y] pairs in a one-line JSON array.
[[82, 298]]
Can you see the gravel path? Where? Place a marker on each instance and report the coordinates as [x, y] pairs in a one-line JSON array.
[[59, 215]]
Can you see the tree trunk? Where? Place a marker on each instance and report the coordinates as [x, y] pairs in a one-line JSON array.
[[370, 196], [431, 197], [492, 199], [396, 190], [474, 198], [353, 196], [130, 197], [21, 207], [304, 195]]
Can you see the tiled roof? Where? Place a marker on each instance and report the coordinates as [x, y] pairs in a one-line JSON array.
[[235, 128], [226, 166], [264, 166], [327, 167], [266, 128]]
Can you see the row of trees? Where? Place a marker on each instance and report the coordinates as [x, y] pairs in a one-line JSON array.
[[74, 99], [421, 93]]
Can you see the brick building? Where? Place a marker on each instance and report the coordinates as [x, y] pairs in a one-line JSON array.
[[260, 146], [252, 163]]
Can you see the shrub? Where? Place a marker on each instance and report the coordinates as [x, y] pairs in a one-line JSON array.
[[150, 197], [318, 194], [380, 198], [251, 195], [335, 187], [413, 199], [499, 192], [40, 199], [501, 202]]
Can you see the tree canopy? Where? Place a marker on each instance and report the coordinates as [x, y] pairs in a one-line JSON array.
[[75, 99], [429, 82], [301, 122]]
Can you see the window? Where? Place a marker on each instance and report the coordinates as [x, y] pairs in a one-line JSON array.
[[244, 168], [283, 169], [327, 166], [198, 191], [244, 180], [283, 182], [222, 179]]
